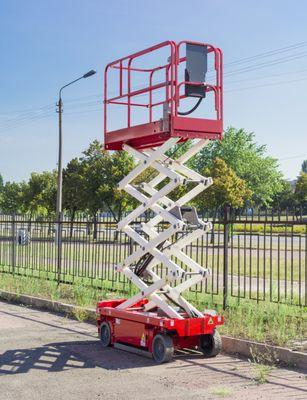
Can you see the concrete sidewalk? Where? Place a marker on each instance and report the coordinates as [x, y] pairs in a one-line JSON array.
[[45, 356]]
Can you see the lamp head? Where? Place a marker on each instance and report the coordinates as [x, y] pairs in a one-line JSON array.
[[89, 73]]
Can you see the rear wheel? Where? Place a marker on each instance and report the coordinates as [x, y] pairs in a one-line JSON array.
[[162, 348], [211, 345], [105, 334]]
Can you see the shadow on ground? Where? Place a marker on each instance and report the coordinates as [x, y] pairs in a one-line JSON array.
[[55, 357]]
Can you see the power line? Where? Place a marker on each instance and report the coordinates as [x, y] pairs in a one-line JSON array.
[[26, 122], [268, 53], [227, 74], [266, 64], [83, 111], [26, 110], [33, 114], [265, 85], [235, 62], [24, 117], [83, 98], [253, 67], [270, 76], [86, 104]]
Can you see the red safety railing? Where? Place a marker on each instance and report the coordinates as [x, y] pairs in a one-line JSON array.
[[152, 132]]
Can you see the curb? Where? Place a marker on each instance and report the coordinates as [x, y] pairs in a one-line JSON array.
[[242, 347], [264, 352], [87, 314]]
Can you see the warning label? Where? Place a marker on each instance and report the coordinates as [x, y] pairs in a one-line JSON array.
[[143, 340]]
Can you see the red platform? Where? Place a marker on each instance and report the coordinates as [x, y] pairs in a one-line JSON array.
[[168, 94]]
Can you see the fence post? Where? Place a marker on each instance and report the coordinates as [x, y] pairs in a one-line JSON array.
[[131, 247], [13, 261], [59, 247], [225, 256]]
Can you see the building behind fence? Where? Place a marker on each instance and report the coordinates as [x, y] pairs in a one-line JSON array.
[[260, 256]]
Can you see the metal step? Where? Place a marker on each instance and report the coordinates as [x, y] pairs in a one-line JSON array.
[[133, 350]]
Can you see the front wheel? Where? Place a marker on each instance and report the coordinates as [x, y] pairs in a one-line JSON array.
[[162, 348], [211, 345], [105, 334]]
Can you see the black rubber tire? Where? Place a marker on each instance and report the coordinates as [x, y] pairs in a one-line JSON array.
[[105, 334], [162, 348], [211, 345]]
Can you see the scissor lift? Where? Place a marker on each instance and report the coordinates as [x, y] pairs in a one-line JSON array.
[[158, 319]]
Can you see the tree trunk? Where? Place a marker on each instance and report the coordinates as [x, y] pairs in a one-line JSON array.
[[72, 218], [95, 226], [115, 218], [30, 222], [213, 222]]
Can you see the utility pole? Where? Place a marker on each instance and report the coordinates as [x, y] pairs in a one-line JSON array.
[[60, 169], [58, 227]]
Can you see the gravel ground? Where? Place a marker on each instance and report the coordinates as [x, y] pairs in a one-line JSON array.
[[46, 356]]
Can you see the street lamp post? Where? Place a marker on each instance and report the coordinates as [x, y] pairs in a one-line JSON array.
[[60, 169], [58, 236]]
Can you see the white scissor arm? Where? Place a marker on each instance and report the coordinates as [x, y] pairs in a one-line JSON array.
[[160, 248]]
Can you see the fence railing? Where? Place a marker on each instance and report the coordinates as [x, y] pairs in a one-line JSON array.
[[258, 256]]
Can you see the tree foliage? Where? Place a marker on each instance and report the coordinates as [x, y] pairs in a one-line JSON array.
[[74, 187], [227, 188], [102, 173], [241, 170], [1, 183], [301, 189], [39, 194], [248, 160], [285, 198], [179, 149], [304, 166], [11, 199]]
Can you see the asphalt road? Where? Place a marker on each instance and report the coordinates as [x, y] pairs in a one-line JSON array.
[[45, 356]]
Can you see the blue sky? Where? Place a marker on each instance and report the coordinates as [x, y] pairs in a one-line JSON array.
[[45, 44]]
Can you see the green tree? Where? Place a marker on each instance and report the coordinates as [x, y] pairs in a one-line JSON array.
[[285, 198], [304, 166], [179, 149], [1, 187], [227, 188], [39, 195], [1, 183], [102, 172], [248, 160], [95, 175], [74, 190], [301, 189], [11, 198], [119, 164]]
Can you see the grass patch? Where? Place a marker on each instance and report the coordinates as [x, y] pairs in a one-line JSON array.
[[261, 366], [80, 314], [265, 322], [270, 228], [221, 391], [260, 373], [78, 293]]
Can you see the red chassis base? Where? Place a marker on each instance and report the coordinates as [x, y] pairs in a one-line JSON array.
[[136, 328]]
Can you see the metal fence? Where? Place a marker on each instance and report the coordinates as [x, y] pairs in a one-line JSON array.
[[259, 256]]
